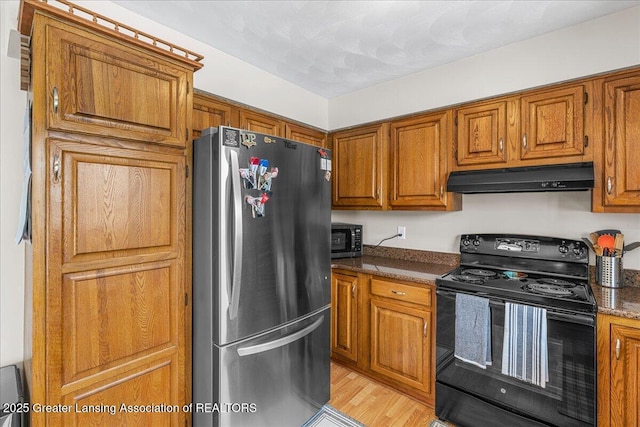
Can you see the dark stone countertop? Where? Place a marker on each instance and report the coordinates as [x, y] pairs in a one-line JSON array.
[[621, 302], [393, 268], [425, 267]]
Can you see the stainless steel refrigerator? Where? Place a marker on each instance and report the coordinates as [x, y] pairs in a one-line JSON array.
[[261, 279]]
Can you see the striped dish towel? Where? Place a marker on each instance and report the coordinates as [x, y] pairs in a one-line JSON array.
[[524, 349]]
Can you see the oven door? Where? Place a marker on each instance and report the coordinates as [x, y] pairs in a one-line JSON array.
[[471, 396]]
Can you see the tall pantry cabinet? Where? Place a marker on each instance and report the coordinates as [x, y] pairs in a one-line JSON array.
[[107, 326]]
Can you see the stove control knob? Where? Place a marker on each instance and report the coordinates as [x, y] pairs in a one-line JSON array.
[[578, 251], [466, 241], [476, 241], [563, 248]]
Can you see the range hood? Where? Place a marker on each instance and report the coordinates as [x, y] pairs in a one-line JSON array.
[[565, 177]]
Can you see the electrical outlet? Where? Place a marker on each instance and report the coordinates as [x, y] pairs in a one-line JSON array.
[[402, 232]]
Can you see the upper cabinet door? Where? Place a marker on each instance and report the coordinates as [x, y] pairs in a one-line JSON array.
[[418, 163], [622, 142], [116, 203], [482, 134], [95, 84], [304, 134], [208, 112], [359, 159], [552, 123], [260, 123]]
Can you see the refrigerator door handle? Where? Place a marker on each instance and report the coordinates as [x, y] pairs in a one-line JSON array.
[[237, 225], [261, 348]]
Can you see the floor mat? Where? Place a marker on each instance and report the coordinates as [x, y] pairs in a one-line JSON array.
[[329, 416]]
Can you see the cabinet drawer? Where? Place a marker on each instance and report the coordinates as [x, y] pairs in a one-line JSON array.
[[414, 294]]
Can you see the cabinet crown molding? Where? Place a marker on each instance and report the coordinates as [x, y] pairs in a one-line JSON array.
[[87, 18]]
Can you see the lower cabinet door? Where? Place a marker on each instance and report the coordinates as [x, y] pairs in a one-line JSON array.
[[625, 376], [344, 312], [400, 344]]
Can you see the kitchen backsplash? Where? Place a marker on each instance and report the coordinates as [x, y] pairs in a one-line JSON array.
[[413, 255], [631, 277]]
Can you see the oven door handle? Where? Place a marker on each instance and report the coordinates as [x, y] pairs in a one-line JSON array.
[[452, 294], [551, 315], [572, 318]]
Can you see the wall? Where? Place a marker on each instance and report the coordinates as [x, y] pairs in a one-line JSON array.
[[11, 255], [544, 214], [607, 43]]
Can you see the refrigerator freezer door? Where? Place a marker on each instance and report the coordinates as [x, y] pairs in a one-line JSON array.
[[259, 268], [280, 378]]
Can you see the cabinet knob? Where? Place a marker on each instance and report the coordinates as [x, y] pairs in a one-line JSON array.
[[609, 185], [618, 349], [425, 329], [398, 292], [56, 168], [353, 290], [501, 145], [524, 141], [56, 99], [441, 190]]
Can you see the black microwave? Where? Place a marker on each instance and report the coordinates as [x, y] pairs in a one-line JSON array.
[[346, 240]]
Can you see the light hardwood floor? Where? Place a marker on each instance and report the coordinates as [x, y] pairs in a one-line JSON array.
[[374, 404]]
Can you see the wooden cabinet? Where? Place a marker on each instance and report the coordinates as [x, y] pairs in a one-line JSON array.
[[211, 111], [419, 163], [344, 314], [618, 371], [95, 85], [552, 124], [261, 123], [360, 167], [115, 315], [402, 336], [482, 133], [304, 134], [618, 178], [538, 127], [384, 328], [107, 320], [208, 112], [402, 164]]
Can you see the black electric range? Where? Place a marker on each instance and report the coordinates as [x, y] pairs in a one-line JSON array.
[[545, 271], [549, 273]]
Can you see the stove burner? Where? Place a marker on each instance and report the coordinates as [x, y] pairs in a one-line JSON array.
[[550, 289], [556, 282], [488, 274], [468, 278]]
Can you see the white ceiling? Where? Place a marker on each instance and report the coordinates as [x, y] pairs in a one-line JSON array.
[[333, 48]]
